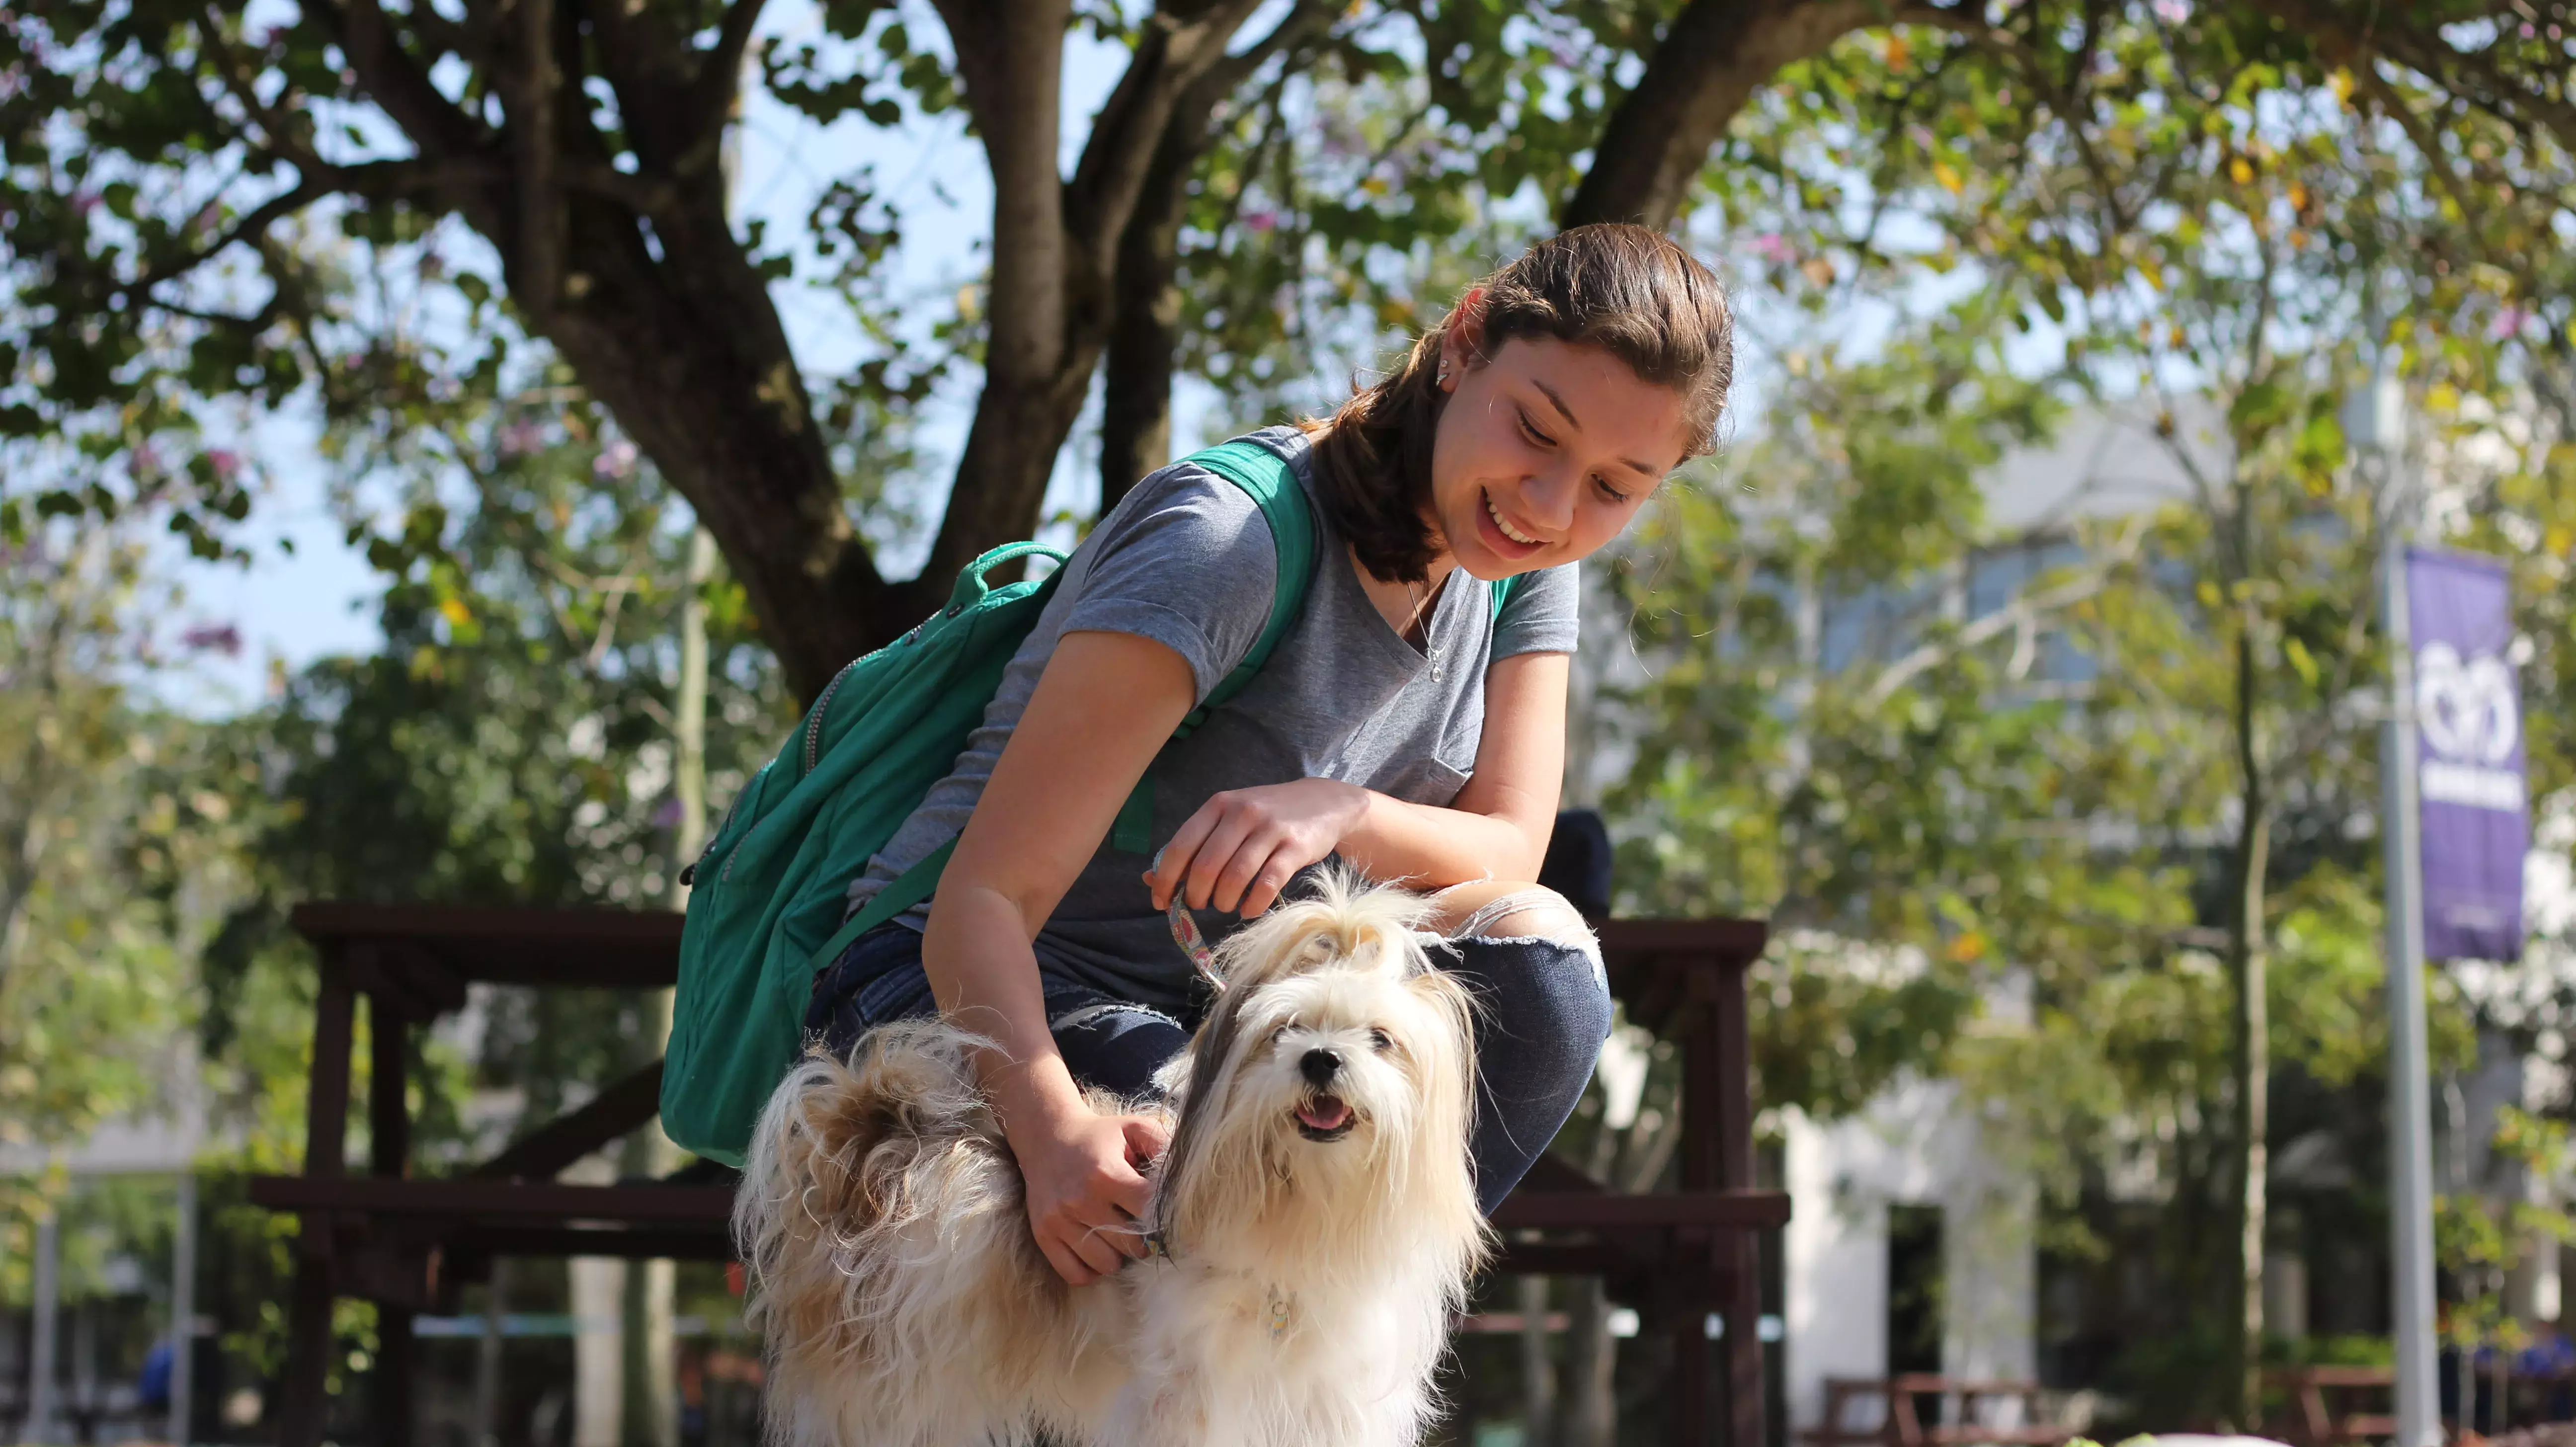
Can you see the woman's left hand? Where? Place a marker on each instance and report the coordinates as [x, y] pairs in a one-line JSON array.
[[1244, 845]]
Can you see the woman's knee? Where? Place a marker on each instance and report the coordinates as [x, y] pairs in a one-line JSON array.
[[1543, 1002], [1505, 909]]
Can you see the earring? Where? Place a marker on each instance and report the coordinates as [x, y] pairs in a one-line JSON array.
[[1443, 379]]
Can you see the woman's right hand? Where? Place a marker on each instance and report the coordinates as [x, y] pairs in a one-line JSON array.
[[1087, 1193]]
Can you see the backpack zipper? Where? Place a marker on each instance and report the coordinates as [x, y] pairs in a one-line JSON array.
[[814, 725]]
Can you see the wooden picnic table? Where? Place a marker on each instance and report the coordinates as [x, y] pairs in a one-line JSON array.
[[410, 1243], [2313, 1423], [1957, 1420]]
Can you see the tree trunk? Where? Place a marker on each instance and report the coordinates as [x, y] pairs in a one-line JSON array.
[[1538, 1363], [690, 356], [2252, 1063], [1588, 1409], [1144, 327]]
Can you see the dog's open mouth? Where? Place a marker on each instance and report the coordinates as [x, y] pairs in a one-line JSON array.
[[1325, 1118]]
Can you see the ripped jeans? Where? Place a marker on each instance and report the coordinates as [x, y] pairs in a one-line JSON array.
[[1544, 1010]]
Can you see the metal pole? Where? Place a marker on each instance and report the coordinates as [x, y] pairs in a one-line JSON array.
[[41, 1406], [2410, 1107], [183, 1311], [487, 1356]]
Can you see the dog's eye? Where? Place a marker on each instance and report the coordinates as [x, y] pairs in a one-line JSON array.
[[1378, 1039]]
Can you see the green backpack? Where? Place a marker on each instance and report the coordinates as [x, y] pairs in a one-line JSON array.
[[768, 895]]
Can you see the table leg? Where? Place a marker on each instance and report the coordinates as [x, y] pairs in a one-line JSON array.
[[389, 1154], [304, 1404], [1744, 1404], [1691, 1406], [391, 1392]]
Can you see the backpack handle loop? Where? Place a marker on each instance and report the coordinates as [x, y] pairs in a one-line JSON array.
[[971, 586]]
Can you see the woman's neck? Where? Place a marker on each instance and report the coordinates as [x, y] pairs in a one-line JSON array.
[[1406, 607]]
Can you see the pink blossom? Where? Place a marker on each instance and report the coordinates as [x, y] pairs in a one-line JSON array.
[[225, 462], [615, 460], [521, 437], [84, 203], [1260, 220], [2508, 323], [223, 638], [1771, 246]]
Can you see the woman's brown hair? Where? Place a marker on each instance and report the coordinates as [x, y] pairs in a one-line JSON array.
[[1632, 292]]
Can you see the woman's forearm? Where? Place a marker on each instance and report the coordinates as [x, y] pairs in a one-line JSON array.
[[1433, 848], [984, 974]]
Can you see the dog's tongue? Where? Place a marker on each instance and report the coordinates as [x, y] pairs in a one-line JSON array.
[[1325, 1112]]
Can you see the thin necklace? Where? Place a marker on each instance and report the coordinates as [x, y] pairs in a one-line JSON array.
[[1430, 645]]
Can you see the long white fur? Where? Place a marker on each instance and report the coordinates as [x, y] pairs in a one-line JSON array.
[[1306, 1296]]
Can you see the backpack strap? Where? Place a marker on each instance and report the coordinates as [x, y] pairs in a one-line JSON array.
[[1265, 478]]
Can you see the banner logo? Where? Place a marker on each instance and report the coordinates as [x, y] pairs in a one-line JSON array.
[[2471, 727]]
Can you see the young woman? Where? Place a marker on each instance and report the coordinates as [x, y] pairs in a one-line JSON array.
[[1399, 724]]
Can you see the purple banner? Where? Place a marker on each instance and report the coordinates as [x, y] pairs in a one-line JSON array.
[[2469, 757]]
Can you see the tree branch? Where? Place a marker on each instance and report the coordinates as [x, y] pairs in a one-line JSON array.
[[2509, 97], [1010, 54], [376, 180], [284, 133], [1144, 302], [1169, 61], [1712, 58], [400, 85], [719, 80], [2020, 613], [537, 231], [2425, 142]]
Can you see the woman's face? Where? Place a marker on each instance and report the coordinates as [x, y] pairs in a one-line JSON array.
[[1544, 453]]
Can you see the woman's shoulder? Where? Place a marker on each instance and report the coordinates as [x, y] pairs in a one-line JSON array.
[[1186, 558], [1186, 477], [1188, 498]]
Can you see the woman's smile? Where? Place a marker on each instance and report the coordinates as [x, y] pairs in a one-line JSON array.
[[1504, 540]]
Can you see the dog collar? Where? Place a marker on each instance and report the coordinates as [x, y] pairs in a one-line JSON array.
[[1283, 1313]]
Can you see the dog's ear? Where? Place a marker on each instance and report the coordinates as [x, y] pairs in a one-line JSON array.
[[1201, 1089], [1450, 1073]]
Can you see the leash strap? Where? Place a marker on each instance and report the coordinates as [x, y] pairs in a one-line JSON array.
[[1185, 933]]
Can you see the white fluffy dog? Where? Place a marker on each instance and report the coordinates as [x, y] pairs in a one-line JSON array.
[[1315, 1223]]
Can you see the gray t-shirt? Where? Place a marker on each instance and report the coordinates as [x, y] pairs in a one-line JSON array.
[[1186, 559]]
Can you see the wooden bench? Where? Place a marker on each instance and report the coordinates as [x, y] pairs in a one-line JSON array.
[[1957, 1419], [411, 1244], [2312, 1424]]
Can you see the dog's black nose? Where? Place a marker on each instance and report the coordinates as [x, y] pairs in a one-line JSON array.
[[1318, 1066]]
